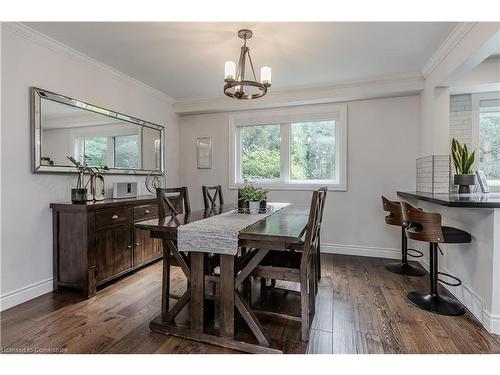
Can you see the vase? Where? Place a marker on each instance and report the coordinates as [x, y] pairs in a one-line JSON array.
[[262, 207], [464, 181], [254, 207], [78, 195], [98, 187]]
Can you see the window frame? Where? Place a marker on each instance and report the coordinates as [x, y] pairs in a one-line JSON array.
[[476, 108], [284, 117]]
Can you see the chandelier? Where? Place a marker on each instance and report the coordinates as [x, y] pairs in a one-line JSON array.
[[236, 85]]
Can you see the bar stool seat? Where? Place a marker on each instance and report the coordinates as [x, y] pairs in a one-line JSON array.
[[455, 235], [425, 226]]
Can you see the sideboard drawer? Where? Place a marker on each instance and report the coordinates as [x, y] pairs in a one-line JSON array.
[[112, 216], [145, 212]]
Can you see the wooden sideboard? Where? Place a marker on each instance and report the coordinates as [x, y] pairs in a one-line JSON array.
[[96, 242]]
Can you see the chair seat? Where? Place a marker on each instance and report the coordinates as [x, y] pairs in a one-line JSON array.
[[454, 235]]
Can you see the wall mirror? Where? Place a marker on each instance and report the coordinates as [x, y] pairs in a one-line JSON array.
[[63, 127]]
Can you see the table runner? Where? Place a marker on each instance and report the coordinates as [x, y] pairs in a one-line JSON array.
[[219, 234]]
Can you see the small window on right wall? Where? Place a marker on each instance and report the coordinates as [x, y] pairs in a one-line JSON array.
[[489, 144], [486, 135]]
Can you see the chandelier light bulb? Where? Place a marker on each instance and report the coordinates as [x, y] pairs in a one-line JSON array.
[[229, 70], [265, 75]]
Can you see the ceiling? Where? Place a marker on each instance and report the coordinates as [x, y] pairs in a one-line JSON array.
[[185, 59]]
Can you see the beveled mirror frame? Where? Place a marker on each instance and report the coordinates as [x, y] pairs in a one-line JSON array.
[[36, 144]]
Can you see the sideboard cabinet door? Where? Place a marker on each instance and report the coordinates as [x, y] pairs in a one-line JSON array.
[[114, 251], [144, 247]]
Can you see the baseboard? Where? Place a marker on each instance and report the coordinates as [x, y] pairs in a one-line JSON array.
[[471, 300], [491, 322], [364, 251], [24, 294]]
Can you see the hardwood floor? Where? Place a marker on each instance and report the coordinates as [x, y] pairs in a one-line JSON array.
[[361, 308]]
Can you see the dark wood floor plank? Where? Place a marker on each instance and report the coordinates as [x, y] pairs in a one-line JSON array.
[[361, 308]]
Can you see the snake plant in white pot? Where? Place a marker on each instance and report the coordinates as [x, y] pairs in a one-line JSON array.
[[463, 162]]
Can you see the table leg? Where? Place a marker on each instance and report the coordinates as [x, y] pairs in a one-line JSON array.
[[165, 285], [197, 291], [226, 296]]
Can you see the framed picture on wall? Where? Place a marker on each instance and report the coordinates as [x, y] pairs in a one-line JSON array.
[[204, 152]]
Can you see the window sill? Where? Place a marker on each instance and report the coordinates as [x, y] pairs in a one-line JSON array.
[[494, 186], [291, 186]]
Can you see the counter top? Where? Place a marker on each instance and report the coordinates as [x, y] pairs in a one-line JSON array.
[[472, 200], [106, 203]]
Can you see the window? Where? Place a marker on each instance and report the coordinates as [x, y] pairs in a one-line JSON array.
[[312, 151], [260, 152], [126, 151], [295, 148], [489, 144], [96, 150], [486, 135], [119, 151]]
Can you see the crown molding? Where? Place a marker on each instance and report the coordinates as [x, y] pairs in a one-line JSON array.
[[385, 86], [451, 41], [56, 46]]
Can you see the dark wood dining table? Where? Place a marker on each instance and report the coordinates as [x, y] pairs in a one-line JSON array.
[[278, 231]]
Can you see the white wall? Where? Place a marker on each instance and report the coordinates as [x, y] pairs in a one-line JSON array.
[[26, 269], [483, 78], [381, 159], [467, 47]]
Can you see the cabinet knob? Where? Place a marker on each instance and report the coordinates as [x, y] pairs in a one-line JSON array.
[[137, 244], [147, 211], [114, 217], [129, 246]]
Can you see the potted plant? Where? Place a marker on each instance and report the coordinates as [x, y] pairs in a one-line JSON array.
[[463, 162], [78, 194], [254, 197]]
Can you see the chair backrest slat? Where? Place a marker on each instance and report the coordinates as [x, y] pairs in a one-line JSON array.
[[211, 194], [172, 201], [313, 227], [420, 225]]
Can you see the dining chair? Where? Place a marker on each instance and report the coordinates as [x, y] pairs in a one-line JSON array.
[[322, 192], [298, 266], [210, 198], [172, 201]]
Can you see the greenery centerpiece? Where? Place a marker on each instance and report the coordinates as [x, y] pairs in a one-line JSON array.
[[255, 197], [464, 163]]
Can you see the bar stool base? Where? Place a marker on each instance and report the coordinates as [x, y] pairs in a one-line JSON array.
[[405, 269], [436, 303]]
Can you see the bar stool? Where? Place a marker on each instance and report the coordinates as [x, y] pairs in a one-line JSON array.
[[426, 226], [396, 218]]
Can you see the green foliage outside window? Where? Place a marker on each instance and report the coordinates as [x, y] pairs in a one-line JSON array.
[[489, 149], [95, 151], [260, 152], [312, 150], [127, 151]]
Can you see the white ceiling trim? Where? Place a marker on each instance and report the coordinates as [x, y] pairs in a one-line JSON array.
[[451, 41], [382, 87], [42, 39]]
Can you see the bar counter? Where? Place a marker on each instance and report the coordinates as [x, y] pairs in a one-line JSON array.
[[477, 263], [472, 200]]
